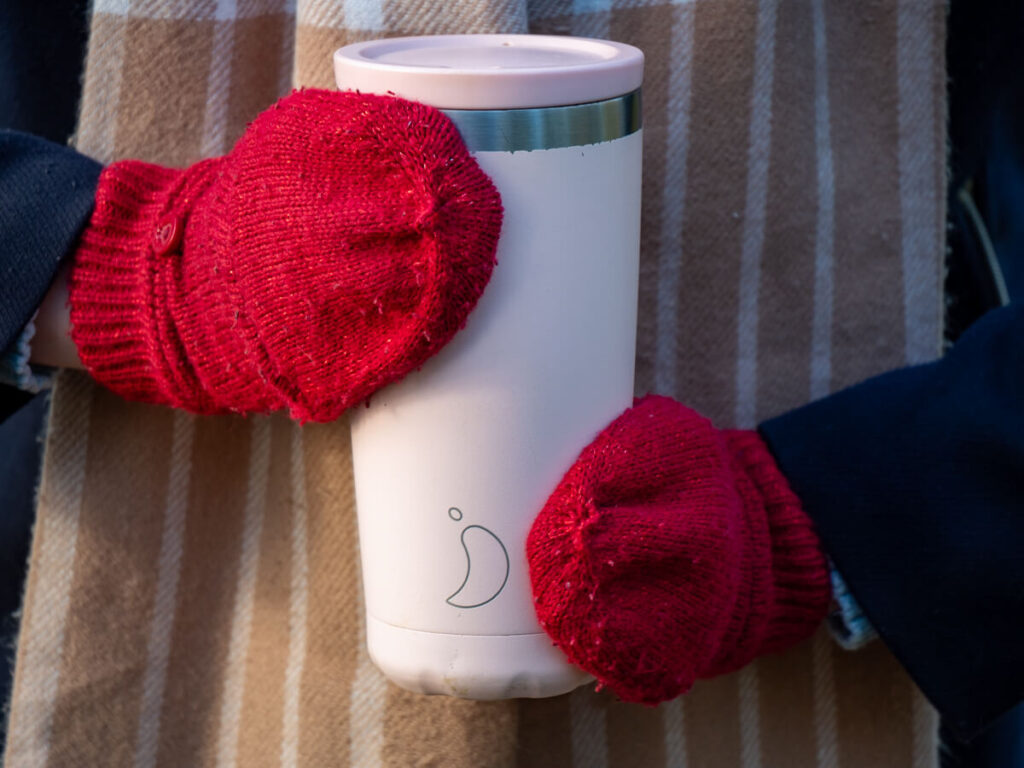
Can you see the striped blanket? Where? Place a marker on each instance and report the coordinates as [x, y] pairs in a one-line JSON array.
[[194, 595]]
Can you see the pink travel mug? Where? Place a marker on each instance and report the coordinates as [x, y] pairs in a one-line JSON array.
[[453, 463]]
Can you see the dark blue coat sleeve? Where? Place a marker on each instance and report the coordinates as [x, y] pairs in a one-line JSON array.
[[915, 481], [46, 196]]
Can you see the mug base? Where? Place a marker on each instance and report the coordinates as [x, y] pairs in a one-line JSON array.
[[482, 667]]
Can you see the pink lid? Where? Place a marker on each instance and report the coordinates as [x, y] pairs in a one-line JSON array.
[[491, 71]]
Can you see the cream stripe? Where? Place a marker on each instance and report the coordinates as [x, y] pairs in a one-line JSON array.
[[826, 733], [183, 9], [366, 712], [673, 719], [591, 18], [759, 146], [320, 12], [113, 7], [227, 10], [286, 79], [218, 81], [296, 608], [245, 592], [590, 6], [42, 633], [922, 298], [925, 731], [165, 9], [168, 572], [588, 730], [750, 717], [213, 140], [367, 700], [821, 330], [364, 15], [101, 96], [670, 252]]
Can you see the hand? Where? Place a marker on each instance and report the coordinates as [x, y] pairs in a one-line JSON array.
[[341, 243], [51, 343], [673, 551]]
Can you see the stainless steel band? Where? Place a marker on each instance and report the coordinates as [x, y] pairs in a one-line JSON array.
[[514, 130]]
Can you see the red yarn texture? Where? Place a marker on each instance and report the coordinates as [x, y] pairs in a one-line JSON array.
[[341, 243], [673, 551]]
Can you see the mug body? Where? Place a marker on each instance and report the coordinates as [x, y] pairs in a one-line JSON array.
[[453, 463]]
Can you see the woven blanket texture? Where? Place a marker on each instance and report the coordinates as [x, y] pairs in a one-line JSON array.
[[194, 595]]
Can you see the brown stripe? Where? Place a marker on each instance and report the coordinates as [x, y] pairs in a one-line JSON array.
[[712, 711], [41, 638], [209, 566], [259, 742], [163, 90], [444, 731], [787, 268], [101, 87], [453, 17], [868, 332], [335, 602], [635, 735], [118, 542], [544, 739], [255, 63], [787, 708], [650, 29], [314, 49], [715, 201], [875, 714]]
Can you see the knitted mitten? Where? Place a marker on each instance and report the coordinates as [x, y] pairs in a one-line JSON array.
[[672, 551], [341, 243]]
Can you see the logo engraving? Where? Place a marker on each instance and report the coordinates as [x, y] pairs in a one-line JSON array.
[[487, 566]]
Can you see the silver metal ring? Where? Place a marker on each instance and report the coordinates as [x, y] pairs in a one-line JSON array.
[[514, 130]]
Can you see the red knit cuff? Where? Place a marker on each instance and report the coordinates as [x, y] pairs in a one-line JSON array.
[[120, 319], [800, 577]]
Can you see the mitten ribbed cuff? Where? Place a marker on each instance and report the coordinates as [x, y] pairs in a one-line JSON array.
[[120, 316], [800, 576]]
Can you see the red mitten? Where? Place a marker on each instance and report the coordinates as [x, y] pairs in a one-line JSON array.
[[673, 551], [341, 243]]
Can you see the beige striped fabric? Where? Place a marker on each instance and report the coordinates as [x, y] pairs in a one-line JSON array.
[[194, 596]]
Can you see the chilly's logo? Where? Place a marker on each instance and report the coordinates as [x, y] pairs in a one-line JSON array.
[[487, 566]]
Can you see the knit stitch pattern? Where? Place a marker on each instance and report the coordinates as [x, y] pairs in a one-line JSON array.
[[673, 551], [341, 243]]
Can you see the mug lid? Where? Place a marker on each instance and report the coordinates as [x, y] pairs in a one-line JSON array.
[[491, 71]]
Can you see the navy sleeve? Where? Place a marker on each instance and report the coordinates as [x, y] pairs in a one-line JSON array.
[[46, 196], [915, 481]]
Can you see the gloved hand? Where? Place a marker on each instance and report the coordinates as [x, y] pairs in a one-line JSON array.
[[341, 243], [673, 551]]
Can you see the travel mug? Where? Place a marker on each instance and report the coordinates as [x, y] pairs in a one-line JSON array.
[[453, 463]]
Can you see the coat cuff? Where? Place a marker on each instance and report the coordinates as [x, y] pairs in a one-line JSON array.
[[17, 371], [847, 624]]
